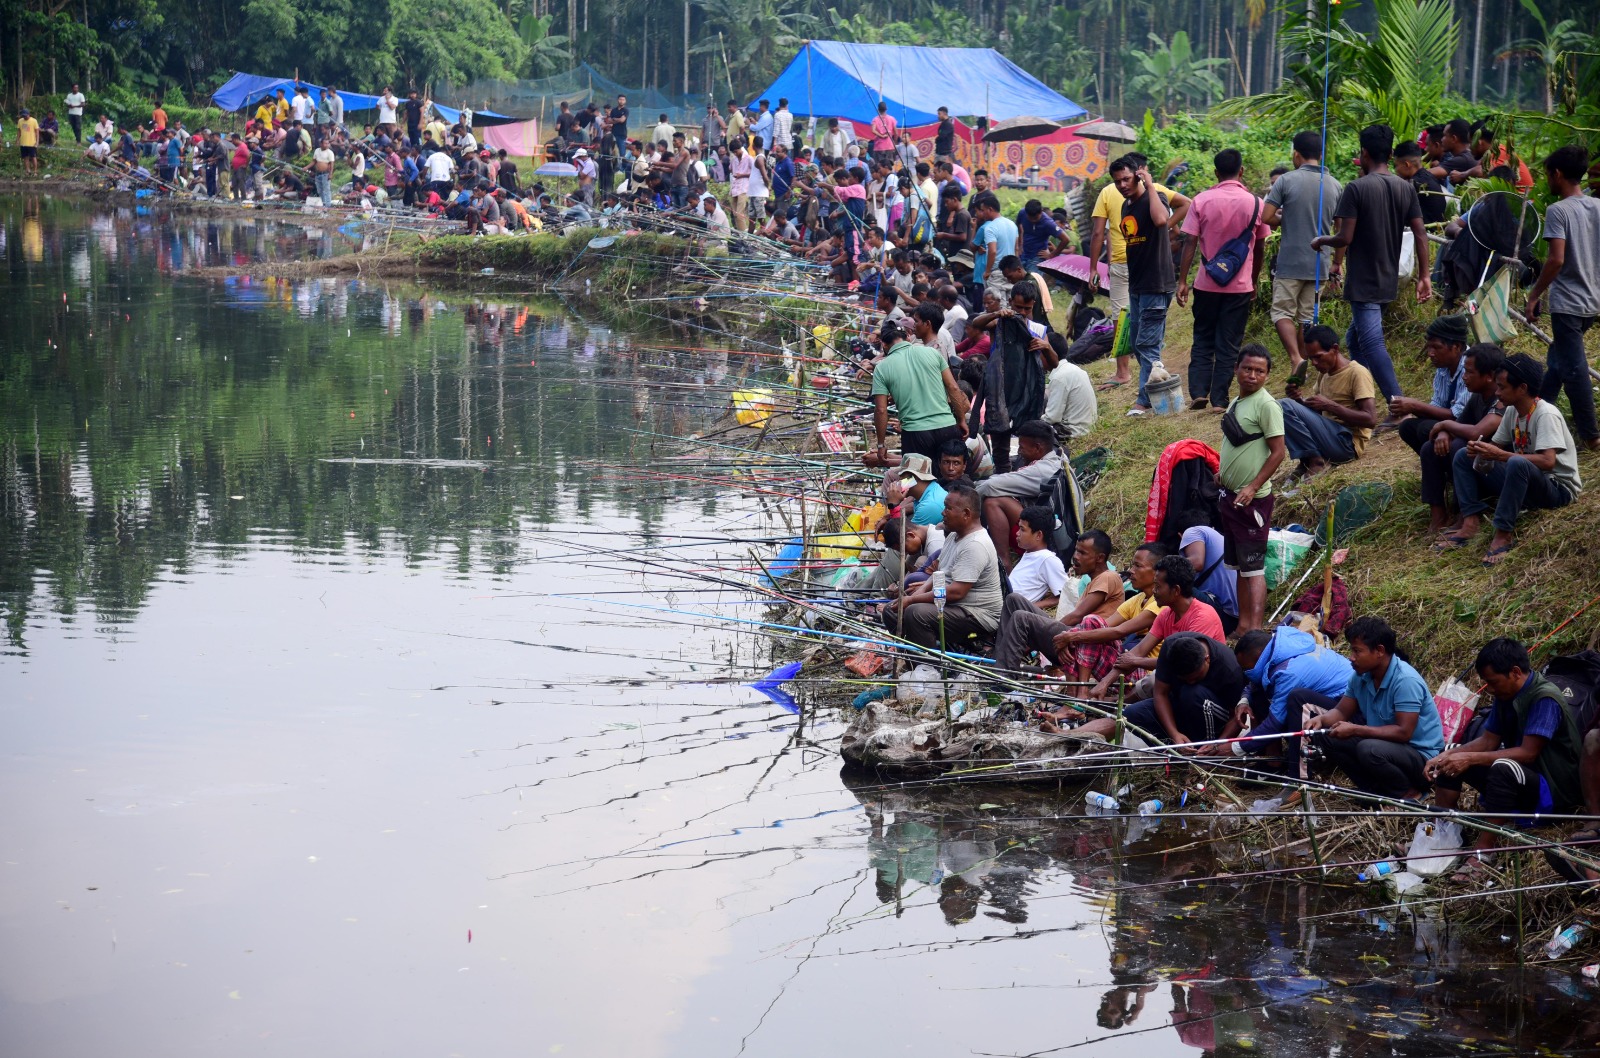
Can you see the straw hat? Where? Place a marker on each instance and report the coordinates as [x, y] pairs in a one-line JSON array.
[[916, 466]]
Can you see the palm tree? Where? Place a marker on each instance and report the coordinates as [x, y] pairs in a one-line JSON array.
[[1170, 70], [760, 35], [1552, 51], [548, 52]]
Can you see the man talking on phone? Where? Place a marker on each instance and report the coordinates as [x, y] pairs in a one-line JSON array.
[[1252, 451]]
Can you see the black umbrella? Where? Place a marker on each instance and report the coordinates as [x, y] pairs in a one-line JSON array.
[[1115, 131], [1021, 129]]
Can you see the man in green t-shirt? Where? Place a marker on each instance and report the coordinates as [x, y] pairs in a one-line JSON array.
[[916, 378], [1252, 451]]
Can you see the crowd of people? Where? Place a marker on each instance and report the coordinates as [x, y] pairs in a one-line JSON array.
[[1180, 635]]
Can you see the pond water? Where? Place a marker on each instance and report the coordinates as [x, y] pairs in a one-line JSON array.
[[335, 721]]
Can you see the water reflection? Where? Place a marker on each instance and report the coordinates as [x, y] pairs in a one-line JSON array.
[[142, 417]]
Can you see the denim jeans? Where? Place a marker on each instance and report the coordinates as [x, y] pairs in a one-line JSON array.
[[1520, 485], [325, 188], [1569, 367], [1147, 333], [1219, 321], [1364, 342], [1309, 434]]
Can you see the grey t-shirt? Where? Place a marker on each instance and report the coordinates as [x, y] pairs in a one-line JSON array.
[[1543, 429], [1576, 290], [971, 560], [1295, 196]]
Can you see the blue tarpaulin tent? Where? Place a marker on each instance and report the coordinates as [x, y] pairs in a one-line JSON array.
[[245, 90], [832, 79]]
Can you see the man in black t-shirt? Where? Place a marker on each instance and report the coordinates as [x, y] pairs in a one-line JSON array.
[[944, 140], [1198, 684], [619, 120], [1373, 213], [566, 122], [1409, 165], [413, 118], [1146, 224]]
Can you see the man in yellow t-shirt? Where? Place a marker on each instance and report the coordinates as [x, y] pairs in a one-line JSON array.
[[1107, 219], [1334, 423], [28, 141], [265, 114]]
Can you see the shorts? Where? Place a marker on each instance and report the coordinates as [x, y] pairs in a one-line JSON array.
[[1119, 289], [29, 152], [1293, 299], [1244, 533]]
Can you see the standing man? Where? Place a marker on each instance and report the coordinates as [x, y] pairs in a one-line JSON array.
[[1146, 225], [1039, 235], [1373, 213], [712, 129], [907, 153], [1301, 205], [1252, 451], [619, 122], [388, 107], [944, 138], [782, 127], [1107, 221], [833, 142], [739, 184], [925, 395], [28, 141], [414, 119], [1225, 224], [995, 241], [761, 129], [75, 101], [883, 132], [1572, 276], [736, 124], [322, 169]]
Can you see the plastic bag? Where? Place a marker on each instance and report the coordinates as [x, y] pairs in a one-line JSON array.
[[925, 683], [1433, 836], [1285, 551], [1408, 255], [1456, 702], [1404, 881]]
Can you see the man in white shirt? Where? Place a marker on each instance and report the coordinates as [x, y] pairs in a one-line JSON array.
[[388, 105], [440, 167], [782, 126], [322, 170], [468, 142], [75, 101], [99, 150], [833, 141], [1069, 401], [716, 221], [301, 108], [663, 132], [955, 314], [105, 128]]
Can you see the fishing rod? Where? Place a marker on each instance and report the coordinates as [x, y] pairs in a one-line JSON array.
[[1413, 903]]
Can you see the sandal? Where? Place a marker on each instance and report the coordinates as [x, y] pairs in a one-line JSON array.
[[1450, 542], [1496, 556], [1474, 871], [1112, 383]]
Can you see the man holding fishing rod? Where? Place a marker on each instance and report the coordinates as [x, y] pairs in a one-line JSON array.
[[916, 378], [973, 597]]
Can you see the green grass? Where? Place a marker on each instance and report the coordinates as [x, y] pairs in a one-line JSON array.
[[1443, 606]]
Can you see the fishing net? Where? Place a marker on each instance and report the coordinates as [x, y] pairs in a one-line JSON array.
[[1356, 507], [1088, 466]]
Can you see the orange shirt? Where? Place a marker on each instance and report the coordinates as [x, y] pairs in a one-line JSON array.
[[159, 116], [1503, 157]]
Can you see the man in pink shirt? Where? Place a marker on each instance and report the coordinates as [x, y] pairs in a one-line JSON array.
[[883, 130], [1225, 222]]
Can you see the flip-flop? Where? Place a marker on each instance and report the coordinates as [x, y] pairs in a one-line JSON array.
[[1570, 871], [1113, 383], [1451, 543], [1496, 556]]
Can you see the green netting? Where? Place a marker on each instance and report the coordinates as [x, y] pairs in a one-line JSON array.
[[1355, 507], [542, 97], [1088, 466]]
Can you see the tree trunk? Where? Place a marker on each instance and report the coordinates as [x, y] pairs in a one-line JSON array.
[[1477, 50], [1249, 59], [644, 51], [1505, 64], [686, 46]]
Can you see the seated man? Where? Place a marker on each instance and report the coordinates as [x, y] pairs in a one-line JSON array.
[[1476, 421], [1526, 759], [1091, 651], [1385, 727], [1070, 404], [1335, 422], [1276, 663], [1214, 582], [1025, 626], [1198, 682], [1530, 463], [972, 590], [1180, 612], [1005, 494], [952, 465], [925, 494], [1445, 348], [1038, 575], [895, 533]]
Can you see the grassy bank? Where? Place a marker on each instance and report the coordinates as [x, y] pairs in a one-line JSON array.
[[1444, 606]]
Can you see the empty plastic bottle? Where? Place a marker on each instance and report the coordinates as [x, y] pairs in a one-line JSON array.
[[1095, 799], [1378, 870], [939, 589], [1563, 941], [1150, 807]]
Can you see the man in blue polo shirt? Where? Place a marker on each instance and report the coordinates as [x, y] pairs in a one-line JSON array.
[[1278, 663], [1385, 728], [1037, 230]]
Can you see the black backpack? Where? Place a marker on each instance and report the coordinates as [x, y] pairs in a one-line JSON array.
[[1065, 500], [1578, 676], [1191, 500]]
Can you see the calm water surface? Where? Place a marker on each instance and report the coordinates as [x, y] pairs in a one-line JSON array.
[[332, 725]]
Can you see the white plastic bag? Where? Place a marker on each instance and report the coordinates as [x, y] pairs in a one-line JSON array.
[[1433, 836], [1405, 881], [1408, 255]]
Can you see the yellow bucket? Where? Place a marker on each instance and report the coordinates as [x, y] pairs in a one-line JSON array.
[[856, 533], [752, 407]]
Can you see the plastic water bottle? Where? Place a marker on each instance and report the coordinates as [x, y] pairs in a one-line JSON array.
[[1381, 869], [1095, 799], [1563, 941], [1150, 807], [938, 582]]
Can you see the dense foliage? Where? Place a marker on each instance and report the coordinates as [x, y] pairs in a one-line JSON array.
[[1115, 56]]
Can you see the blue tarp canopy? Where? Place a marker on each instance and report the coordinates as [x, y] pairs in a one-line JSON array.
[[832, 79], [244, 90]]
